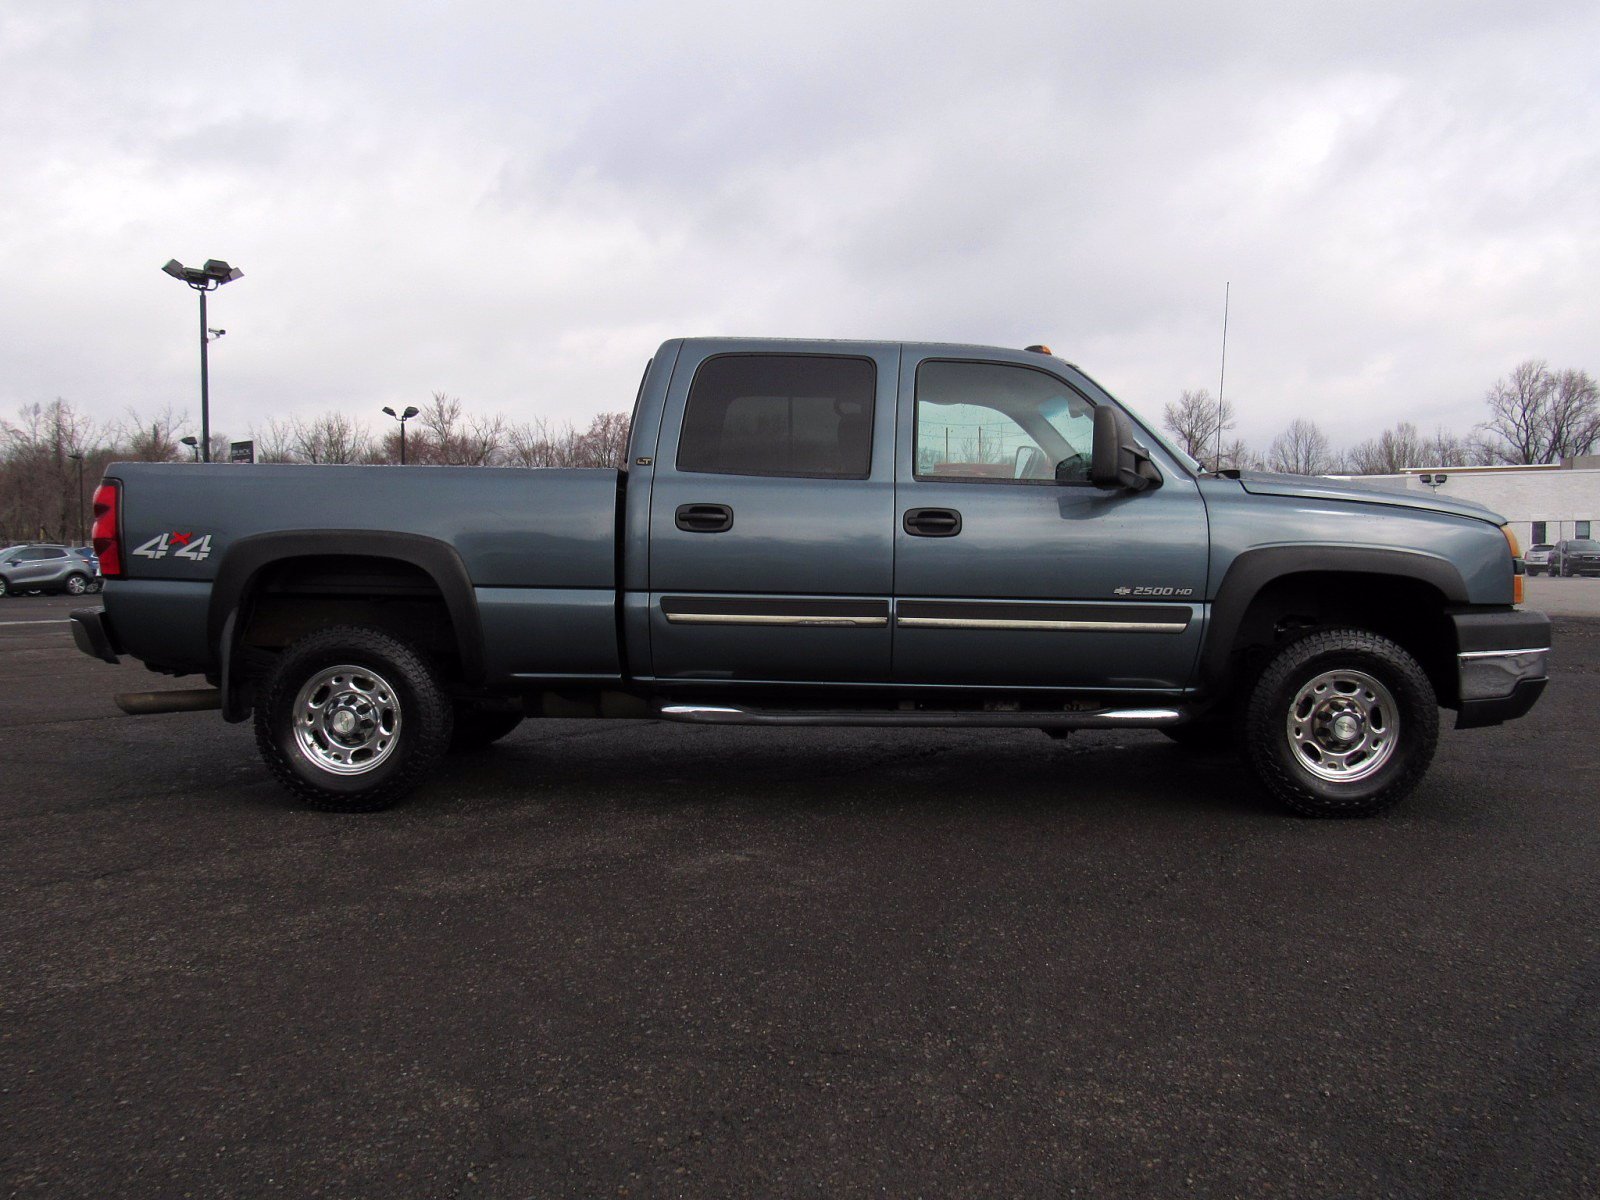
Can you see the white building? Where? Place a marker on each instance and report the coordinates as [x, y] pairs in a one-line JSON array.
[[1542, 504]]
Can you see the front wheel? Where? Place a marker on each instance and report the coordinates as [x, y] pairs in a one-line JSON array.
[[1341, 723], [5, 588], [351, 719]]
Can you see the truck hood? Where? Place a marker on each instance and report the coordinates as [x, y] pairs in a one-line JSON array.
[[1317, 487]]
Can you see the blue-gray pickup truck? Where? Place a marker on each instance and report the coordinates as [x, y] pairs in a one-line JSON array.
[[823, 533]]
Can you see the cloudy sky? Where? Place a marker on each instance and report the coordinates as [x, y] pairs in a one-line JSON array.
[[516, 202]]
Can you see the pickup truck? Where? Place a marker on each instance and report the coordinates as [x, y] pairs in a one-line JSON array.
[[823, 533]]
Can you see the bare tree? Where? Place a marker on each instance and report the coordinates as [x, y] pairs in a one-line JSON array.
[[40, 475], [330, 438], [1390, 453], [152, 438], [1237, 456], [1538, 416], [275, 442], [605, 442], [1194, 421], [534, 444], [1302, 449]]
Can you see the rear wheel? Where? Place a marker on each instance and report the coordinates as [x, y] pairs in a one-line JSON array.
[[351, 719], [1341, 723], [77, 584]]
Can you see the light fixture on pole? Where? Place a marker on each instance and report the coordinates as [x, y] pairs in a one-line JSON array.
[[207, 278], [193, 443], [402, 417], [78, 457]]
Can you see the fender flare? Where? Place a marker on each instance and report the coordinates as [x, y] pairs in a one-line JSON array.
[[249, 556], [1255, 569]]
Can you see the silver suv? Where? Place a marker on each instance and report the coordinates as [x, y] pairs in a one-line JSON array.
[[36, 567]]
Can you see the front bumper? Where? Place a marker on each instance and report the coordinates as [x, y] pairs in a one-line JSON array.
[[92, 632], [1501, 664]]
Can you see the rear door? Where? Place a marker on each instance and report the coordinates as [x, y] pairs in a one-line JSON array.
[[41, 566], [771, 510], [1008, 576]]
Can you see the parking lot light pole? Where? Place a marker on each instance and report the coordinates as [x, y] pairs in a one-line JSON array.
[[203, 279], [79, 457], [193, 443], [402, 417]]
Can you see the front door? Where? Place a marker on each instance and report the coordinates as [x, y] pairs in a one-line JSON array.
[[771, 556], [1011, 568]]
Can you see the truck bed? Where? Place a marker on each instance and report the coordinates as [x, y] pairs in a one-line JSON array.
[[538, 546]]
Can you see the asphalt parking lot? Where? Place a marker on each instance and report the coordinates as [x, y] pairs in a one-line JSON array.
[[648, 960]]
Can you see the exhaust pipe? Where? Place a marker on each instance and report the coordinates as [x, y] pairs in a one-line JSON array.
[[143, 704]]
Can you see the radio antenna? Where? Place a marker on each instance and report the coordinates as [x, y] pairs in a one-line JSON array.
[[1227, 292]]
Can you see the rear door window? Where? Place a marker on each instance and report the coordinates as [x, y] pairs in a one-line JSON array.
[[799, 415]]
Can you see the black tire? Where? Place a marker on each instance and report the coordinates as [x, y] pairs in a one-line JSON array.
[[5, 588], [390, 681], [477, 727], [97, 585], [77, 585], [1401, 728]]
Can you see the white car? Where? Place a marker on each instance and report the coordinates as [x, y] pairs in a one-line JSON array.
[[1537, 559]]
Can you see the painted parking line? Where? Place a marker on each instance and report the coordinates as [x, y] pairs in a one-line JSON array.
[[63, 621]]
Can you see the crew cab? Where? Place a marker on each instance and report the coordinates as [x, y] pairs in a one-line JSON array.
[[823, 533]]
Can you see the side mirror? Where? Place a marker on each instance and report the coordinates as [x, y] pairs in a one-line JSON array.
[[1118, 461]]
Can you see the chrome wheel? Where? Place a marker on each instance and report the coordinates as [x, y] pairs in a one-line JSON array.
[[346, 720], [1343, 725], [76, 586]]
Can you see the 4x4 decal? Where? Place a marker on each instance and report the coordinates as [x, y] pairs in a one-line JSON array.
[[179, 545]]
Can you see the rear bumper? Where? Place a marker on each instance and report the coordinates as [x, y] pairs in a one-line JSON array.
[[92, 632], [1501, 664]]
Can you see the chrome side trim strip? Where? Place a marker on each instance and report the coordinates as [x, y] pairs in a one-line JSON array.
[[1503, 653], [1056, 626], [682, 618]]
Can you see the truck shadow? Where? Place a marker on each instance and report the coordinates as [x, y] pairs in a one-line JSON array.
[[656, 765]]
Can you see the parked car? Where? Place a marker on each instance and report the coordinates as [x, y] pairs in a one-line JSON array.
[[39, 567], [824, 533], [89, 556], [1537, 559], [1575, 556]]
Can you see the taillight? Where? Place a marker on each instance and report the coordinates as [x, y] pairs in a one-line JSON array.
[[107, 531]]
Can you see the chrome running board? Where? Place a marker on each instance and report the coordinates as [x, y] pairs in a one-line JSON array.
[[1097, 718]]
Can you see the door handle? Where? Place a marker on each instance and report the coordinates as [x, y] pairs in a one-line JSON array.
[[704, 518], [931, 522]]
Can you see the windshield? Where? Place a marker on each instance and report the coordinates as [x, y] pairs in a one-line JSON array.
[[1583, 544], [11, 551]]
